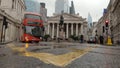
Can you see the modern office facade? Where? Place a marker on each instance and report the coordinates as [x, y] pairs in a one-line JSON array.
[[43, 12], [32, 6], [61, 6], [72, 8], [89, 19]]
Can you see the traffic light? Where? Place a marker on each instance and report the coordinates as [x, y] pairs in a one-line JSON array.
[[106, 23]]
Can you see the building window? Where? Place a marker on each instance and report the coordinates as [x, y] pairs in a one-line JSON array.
[[21, 9], [0, 2], [18, 6], [13, 4]]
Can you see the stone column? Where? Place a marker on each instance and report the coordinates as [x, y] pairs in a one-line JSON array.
[[71, 28], [48, 28], [66, 30], [57, 30], [76, 29], [53, 30], [1, 29], [82, 29]]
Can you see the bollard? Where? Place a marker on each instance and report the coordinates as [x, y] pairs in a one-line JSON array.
[[109, 41]]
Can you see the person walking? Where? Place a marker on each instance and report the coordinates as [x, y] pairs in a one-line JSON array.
[[101, 39], [81, 38]]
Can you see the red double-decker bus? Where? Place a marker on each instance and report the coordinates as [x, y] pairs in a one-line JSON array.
[[32, 27]]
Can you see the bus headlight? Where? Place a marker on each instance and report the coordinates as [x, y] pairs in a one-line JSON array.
[[40, 37]]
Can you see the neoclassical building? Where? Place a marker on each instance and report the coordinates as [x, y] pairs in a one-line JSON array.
[[115, 20], [113, 16], [73, 25], [13, 12]]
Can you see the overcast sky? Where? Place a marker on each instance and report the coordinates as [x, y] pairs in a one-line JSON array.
[[83, 7]]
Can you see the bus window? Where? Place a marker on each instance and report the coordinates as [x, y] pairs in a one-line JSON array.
[[33, 16]]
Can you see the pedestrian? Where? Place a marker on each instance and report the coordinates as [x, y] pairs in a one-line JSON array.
[[81, 38], [96, 39], [112, 39], [58, 40], [101, 39]]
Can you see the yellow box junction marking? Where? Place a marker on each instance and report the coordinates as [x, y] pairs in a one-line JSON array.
[[58, 60]]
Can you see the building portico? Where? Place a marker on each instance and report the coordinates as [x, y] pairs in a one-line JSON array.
[[73, 25]]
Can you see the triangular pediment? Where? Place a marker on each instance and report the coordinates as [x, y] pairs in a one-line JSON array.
[[66, 17]]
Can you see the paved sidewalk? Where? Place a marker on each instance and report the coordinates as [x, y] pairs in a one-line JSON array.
[[7, 42]]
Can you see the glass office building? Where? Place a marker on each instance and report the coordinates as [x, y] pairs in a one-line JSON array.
[[32, 6], [90, 24], [61, 6]]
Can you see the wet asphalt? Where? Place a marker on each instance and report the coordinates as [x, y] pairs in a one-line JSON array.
[[99, 57]]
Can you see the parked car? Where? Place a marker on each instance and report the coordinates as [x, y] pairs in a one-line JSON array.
[[91, 40]]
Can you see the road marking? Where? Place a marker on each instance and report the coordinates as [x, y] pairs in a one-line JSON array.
[[58, 60]]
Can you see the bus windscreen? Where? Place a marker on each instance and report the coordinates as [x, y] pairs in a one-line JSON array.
[[33, 30]]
